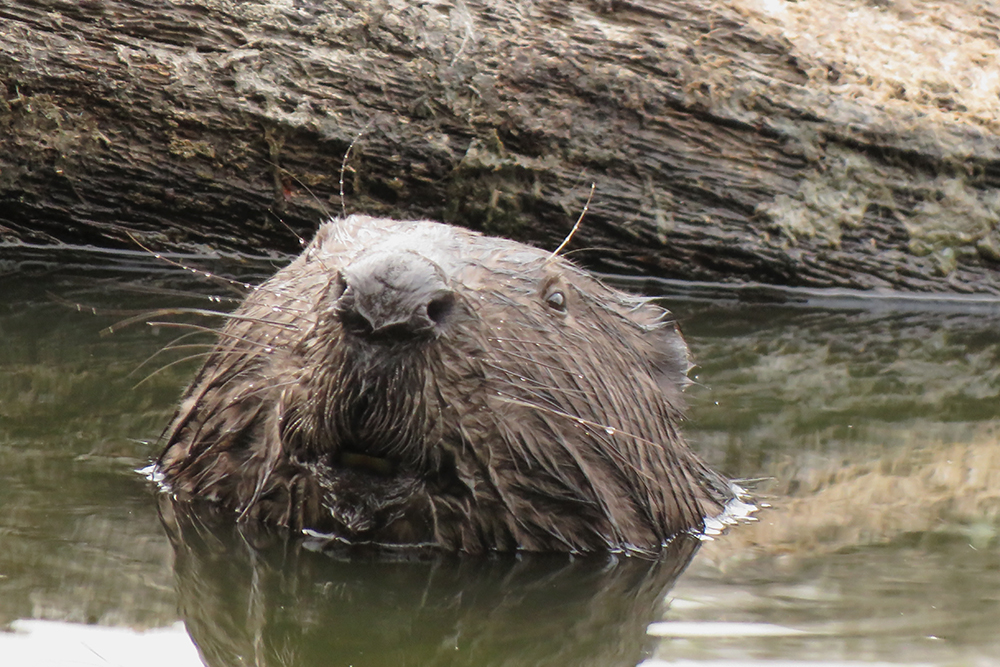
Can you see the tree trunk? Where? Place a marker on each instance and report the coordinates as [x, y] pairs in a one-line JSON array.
[[824, 143]]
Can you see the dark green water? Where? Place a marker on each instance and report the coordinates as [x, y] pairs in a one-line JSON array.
[[876, 431]]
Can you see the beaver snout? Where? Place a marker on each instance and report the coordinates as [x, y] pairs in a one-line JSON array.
[[397, 296]]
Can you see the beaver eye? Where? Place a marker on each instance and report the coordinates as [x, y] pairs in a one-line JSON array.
[[556, 300]]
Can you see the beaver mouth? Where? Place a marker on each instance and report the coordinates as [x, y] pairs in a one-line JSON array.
[[375, 469], [376, 465], [356, 460]]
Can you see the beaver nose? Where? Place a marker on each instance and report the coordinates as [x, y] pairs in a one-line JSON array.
[[394, 295]]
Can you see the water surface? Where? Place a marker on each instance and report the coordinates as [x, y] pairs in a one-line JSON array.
[[872, 432]]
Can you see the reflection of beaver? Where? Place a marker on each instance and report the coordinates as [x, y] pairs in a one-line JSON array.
[[249, 597], [411, 383]]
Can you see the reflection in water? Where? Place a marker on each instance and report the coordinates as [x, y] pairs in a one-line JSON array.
[[255, 598], [923, 599], [951, 490], [777, 383]]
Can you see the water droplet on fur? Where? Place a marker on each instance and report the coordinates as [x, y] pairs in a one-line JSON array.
[[713, 526], [269, 350], [610, 430]]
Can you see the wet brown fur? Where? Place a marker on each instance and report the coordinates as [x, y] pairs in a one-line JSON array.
[[516, 426]]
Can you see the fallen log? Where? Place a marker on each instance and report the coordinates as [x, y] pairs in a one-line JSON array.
[[830, 143]]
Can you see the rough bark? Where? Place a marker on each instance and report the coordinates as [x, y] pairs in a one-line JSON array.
[[726, 141]]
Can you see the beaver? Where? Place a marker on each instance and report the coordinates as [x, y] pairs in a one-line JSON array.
[[414, 384]]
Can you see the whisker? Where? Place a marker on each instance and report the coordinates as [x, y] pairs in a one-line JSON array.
[[528, 342], [172, 346], [118, 326], [586, 207], [257, 391], [301, 241], [593, 248], [122, 324], [132, 313], [610, 430], [306, 303], [343, 164], [156, 290], [537, 383], [228, 282], [535, 362], [302, 184], [159, 370], [243, 288], [267, 347]]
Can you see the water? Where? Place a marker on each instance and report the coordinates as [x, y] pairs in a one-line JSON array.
[[873, 434]]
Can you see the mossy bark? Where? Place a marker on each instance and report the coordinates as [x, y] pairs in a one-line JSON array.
[[721, 147]]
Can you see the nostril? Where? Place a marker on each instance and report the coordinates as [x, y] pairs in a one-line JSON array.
[[355, 322], [439, 308], [393, 297], [346, 309]]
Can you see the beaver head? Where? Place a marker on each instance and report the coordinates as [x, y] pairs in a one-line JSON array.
[[412, 383]]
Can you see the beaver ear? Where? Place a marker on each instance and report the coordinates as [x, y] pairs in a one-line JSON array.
[[671, 360]]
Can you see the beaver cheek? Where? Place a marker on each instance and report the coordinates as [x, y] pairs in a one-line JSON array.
[[670, 362]]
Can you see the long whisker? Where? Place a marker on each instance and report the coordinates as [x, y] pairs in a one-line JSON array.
[[528, 341], [343, 164], [147, 290], [243, 287], [200, 355], [301, 241], [586, 207], [143, 317], [535, 362], [224, 334], [583, 393], [610, 430], [246, 287], [118, 312], [170, 347], [302, 184]]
